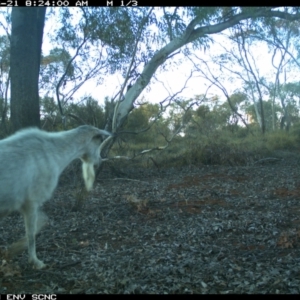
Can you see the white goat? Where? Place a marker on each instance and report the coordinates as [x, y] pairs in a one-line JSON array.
[[31, 162]]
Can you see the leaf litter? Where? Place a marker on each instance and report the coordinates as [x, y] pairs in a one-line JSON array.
[[198, 229]]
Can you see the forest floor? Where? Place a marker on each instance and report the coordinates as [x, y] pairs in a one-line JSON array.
[[197, 229]]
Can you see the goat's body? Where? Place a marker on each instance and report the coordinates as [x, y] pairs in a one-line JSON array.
[[31, 162]]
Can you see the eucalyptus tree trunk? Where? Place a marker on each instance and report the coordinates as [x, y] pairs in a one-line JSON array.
[[25, 57]]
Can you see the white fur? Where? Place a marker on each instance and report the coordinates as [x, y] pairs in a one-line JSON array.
[[88, 175]]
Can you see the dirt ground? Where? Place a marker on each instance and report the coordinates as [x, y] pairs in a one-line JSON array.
[[197, 229]]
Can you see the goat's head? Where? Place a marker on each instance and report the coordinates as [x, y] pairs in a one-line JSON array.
[[91, 156]]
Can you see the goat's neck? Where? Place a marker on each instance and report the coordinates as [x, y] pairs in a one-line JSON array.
[[71, 147]]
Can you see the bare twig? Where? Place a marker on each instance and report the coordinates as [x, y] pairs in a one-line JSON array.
[[215, 81]]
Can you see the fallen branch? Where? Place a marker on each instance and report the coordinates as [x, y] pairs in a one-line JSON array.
[[268, 160]]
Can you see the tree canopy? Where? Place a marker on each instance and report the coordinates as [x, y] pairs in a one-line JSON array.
[[91, 43]]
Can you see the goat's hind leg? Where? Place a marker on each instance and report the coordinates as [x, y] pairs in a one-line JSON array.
[[16, 247], [30, 213]]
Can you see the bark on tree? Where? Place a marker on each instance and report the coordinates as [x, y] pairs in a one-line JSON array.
[[25, 57]]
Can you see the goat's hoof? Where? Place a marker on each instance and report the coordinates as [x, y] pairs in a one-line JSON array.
[[38, 265]]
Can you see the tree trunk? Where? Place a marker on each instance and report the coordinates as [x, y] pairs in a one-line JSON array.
[[25, 57]]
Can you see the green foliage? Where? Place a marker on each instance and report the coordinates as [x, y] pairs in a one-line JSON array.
[[140, 119], [295, 132], [109, 35], [292, 89], [87, 111], [58, 56], [117, 29], [141, 116], [282, 140], [209, 137], [53, 66], [48, 106]]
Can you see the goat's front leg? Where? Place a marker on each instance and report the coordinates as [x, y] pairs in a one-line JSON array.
[[30, 213]]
